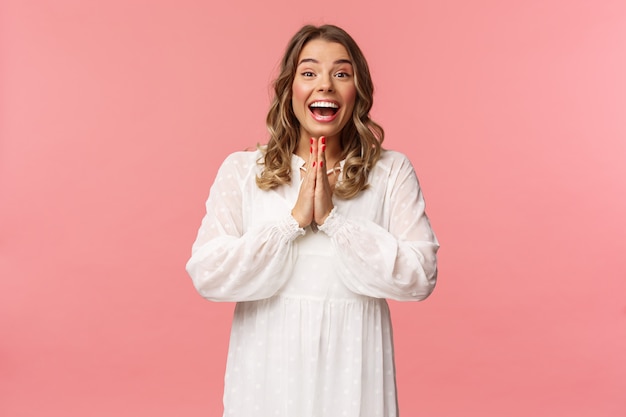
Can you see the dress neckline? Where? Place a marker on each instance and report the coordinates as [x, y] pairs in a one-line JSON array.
[[298, 162]]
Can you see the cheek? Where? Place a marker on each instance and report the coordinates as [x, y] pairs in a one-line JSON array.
[[298, 95], [350, 97]]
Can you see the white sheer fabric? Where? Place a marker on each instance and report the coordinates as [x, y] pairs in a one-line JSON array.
[[311, 335]]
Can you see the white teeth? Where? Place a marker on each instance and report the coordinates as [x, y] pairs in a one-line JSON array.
[[326, 104]]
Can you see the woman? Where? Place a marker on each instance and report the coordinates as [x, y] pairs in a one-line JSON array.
[[309, 235]]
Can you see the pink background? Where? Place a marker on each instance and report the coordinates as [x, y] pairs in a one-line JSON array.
[[115, 115]]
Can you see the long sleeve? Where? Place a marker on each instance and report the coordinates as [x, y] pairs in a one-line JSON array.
[[228, 263], [398, 261]]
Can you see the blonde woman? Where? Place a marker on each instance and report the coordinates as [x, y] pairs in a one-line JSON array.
[[310, 234]]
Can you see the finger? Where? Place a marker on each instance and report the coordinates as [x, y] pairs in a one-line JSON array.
[[314, 151], [311, 154], [321, 155], [323, 165], [309, 174]]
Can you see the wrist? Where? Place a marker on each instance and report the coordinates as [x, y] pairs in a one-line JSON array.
[[301, 223], [290, 228], [333, 223], [325, 217]]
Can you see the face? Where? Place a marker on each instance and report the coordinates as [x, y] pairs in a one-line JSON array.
[[323, 89]]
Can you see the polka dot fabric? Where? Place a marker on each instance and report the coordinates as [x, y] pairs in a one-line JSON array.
[[311, 335]]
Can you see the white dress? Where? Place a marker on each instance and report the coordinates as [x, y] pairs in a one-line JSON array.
[[311, 334]]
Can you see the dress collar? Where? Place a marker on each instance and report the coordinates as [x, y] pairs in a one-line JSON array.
[[297, 163]]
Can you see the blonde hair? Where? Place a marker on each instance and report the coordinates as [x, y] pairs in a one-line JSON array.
[[361, 138]]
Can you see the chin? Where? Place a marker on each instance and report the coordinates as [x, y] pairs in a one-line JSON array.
[[326, 131]]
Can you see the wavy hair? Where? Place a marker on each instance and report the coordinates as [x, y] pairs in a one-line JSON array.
[[361, 138]]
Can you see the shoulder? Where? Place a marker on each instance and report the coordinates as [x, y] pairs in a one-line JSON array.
[[241, 163], [243, 158], [394, 171], [393, 162], [238, 168], [393, 156]]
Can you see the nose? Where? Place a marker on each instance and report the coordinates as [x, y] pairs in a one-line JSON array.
[[325, 83]]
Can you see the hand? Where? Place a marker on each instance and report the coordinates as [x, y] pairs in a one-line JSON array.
[[315, 201]]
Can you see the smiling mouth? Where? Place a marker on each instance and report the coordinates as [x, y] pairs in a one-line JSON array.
[[324, 109]]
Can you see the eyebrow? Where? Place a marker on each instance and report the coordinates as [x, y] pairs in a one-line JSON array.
[[315, 61]]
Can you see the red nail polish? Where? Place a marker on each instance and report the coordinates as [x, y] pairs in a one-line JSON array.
[[313, 163], [323, 139], [311, 141], [323, 148], [321, 164]]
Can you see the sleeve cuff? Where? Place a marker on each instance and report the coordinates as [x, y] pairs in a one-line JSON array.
[[289, 228], [333, 223]]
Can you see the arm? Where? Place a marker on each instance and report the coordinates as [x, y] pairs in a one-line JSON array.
[[399, 263], [228, 264]]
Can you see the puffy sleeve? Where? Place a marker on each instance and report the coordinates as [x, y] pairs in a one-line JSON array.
[[230, 264], [398, 261]]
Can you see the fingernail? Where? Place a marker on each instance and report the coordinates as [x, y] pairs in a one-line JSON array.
[[321, 164], [311, 149], [323, 148], [314, 163], [311, 141], [323, 139]]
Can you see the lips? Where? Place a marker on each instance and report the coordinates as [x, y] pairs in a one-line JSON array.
[[324, 110]]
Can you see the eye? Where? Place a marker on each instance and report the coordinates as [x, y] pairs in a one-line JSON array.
[[307, 74], [342, 75]]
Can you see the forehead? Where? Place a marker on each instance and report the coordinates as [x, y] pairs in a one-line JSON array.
[[322, 50]]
